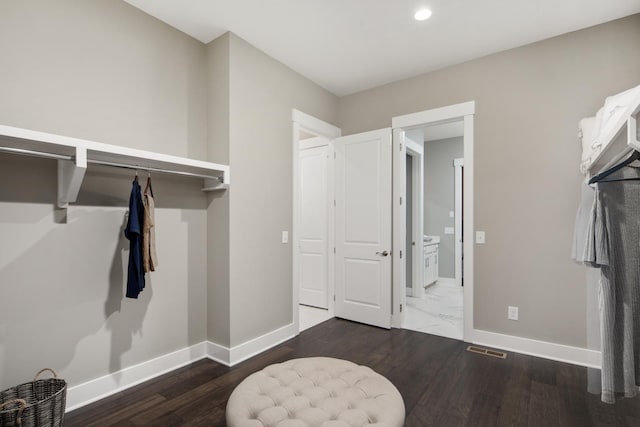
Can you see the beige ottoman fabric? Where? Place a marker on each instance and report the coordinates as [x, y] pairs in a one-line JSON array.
[[315, 392]]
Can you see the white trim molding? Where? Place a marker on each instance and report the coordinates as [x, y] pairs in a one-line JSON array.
[[304, 122], [107, 385], [231, 356], [546, 350], [99, 388], [250, 348], [218, 353], [434, 116], [315, 125], [401, 124]]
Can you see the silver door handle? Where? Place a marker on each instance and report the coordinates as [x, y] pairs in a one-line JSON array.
[[383, 253]]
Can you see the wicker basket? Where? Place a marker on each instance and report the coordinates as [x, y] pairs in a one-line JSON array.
[[40, 403]]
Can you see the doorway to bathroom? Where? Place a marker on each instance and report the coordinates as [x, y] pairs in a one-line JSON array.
[[432, 297]]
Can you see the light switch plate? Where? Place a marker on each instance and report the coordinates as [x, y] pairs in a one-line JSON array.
[[512, 313], [480, 237], [285, 237], [449, 230], [452, 214]]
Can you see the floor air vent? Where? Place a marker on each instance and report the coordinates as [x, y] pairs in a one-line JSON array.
[[487, 352]]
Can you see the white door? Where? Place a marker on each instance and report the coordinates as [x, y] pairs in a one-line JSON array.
[[312, 240], [363, 227]]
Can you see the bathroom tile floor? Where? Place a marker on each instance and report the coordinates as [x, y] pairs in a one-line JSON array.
[[439, 312]]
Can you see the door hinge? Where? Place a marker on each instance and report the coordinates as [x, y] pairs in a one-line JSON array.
[[334, 155], [400, 254], [334, 203], [334, 298], [400, 308], [400, 200], [334, 249], [400, 147]]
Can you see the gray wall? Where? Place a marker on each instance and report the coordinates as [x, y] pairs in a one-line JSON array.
[[218, 284], [105, 71], [439, 186], [527, 184], [262, 94]]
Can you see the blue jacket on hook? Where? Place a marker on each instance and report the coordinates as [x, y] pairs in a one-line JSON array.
[[133, 232]]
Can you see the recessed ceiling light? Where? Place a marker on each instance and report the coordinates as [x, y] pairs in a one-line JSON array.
[[422, 14]]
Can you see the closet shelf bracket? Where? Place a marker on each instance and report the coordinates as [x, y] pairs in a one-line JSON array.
[[70, 176]]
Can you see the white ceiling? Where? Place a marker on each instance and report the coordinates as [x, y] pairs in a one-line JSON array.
[[347, 46]]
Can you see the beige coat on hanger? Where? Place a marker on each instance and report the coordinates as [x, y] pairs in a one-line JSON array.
[[149, 256]]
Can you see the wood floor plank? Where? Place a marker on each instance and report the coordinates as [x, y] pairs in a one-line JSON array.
[[514, 410], [125, 413], [441, 383], [170, 406], [544, 405], [484, 411]]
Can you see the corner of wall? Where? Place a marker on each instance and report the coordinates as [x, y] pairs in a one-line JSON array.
[[218, 280]]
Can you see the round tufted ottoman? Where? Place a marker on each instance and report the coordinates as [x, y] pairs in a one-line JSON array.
[[315, 392]]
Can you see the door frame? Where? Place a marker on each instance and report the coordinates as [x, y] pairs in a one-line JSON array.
[[416, 151], [309, 124], [465, 112], [458, 165]]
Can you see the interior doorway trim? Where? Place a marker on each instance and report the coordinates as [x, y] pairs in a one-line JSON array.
[[416, 152], [465, 112], [312, 125], [458, 165]]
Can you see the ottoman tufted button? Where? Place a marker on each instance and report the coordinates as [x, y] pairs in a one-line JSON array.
[[312, 391]]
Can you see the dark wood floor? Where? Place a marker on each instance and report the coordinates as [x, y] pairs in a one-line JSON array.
[[441, 383]]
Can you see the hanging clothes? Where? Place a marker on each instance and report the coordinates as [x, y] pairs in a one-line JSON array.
[[133, 232], [582, 252], [614, 234], [149, 256]]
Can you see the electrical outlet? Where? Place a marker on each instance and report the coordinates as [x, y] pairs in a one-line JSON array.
[[480, 237], [285, 237], [512, 313]]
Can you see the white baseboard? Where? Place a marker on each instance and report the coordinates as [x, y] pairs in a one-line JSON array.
[[99, 388], [218, 353], [547, 350], [234, 355], [250, 348]]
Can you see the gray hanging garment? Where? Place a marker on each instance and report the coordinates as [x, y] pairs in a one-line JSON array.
[[615, 247]]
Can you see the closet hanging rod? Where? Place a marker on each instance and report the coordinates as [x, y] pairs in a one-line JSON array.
[[104, 163], [150, 169], [35, 153]]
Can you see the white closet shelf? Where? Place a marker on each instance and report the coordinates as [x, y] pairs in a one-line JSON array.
[[73, 156]]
